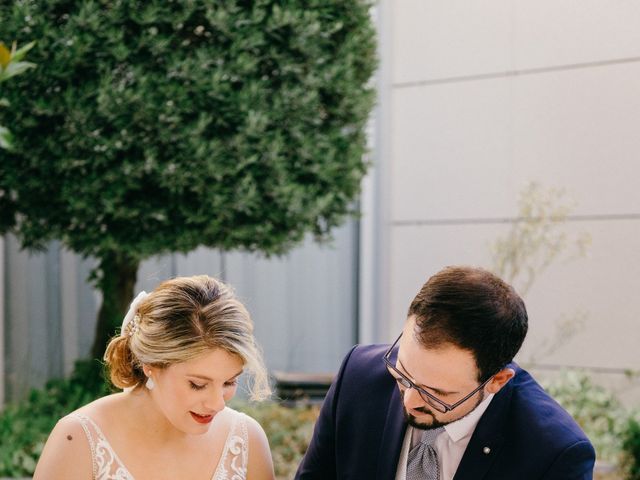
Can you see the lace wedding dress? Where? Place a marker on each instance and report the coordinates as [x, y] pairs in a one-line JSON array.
[[107, 465]]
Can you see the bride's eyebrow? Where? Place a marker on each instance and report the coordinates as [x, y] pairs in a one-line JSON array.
[[201, 377], [236, 375], [209, 379]]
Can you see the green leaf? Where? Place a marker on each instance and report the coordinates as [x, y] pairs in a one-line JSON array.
[[6, 139], [21, 52], [15, 68]]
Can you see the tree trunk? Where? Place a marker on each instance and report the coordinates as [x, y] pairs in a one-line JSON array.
[[117, 278]]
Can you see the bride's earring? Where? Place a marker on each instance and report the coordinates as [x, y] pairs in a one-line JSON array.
[[150, 383]]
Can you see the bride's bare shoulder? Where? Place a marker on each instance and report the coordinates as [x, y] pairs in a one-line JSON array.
[[67, 452], [102, 407]]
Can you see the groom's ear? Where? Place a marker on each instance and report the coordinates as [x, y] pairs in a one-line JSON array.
[[499, 380]]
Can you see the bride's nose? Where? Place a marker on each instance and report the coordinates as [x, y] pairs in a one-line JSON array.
[[216, 400]]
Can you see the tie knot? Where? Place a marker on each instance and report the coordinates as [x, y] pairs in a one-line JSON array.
[[429, 436]]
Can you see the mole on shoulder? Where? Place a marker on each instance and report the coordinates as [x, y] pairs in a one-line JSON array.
[[69, 437]]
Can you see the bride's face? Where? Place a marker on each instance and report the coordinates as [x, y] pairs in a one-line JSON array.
[[191, 393]]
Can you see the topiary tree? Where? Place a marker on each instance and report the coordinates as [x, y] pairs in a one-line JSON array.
[[158, 126]]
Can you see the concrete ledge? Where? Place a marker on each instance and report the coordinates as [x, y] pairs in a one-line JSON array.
[[293, 387]]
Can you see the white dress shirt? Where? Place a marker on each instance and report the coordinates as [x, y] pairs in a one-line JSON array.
[[450, 444]]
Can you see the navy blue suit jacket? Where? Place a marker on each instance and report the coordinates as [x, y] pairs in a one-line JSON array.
[[361, 427]]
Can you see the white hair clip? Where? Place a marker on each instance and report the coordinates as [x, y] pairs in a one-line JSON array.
[[131, 321]]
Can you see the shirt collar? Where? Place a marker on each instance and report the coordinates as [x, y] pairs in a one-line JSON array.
[[465, 426]]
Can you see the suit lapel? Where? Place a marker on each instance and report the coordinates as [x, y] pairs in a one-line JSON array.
[[487, 439], [392, 436]]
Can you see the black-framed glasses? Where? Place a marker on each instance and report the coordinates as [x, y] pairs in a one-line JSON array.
[[429, 398]]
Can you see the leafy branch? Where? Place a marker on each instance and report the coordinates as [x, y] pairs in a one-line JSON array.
[[11, 64], [537, 239]]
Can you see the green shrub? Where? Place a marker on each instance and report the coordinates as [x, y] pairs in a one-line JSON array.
[[289, 430], [596, 409], [631, 448], [24, 427]]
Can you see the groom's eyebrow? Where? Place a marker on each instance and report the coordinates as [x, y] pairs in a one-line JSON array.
[[434, 389]]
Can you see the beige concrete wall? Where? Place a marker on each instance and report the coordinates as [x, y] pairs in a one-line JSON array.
[[485, 97]]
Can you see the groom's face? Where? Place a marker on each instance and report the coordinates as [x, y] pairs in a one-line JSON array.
[[447, 372]]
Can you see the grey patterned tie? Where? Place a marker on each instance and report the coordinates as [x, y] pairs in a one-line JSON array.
[[422, 463]]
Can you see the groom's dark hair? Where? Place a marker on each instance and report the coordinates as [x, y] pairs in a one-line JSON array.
[[472, 309]]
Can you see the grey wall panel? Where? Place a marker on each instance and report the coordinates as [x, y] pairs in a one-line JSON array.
[[48, 360], [32, 319], [202, 261], [153, 271], [17, 337], [88, 303], [69, 309], [303, 304]]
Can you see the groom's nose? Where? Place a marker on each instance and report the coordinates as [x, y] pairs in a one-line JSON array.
[[412, 399]]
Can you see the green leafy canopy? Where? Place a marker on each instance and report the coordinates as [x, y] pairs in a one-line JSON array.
[[155, 126]]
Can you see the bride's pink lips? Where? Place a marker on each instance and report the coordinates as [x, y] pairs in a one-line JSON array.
[[201, 418]]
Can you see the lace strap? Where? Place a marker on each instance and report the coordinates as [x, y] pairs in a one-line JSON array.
[[88, 425], [235, 455], [105, 462]]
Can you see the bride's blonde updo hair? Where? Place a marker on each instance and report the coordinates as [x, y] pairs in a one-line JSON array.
[[182, 319]]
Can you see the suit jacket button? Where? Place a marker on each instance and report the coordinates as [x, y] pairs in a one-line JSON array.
[[486, 450]]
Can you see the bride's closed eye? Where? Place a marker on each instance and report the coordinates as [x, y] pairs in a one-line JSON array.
[[229, 384]]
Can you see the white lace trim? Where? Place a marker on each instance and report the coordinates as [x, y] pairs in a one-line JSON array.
[[235, 456], [107, 466]]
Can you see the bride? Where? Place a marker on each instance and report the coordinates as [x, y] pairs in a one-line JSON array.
[[178, 358]]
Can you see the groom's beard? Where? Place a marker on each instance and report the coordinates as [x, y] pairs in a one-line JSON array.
[[413, 421], [435, 423]]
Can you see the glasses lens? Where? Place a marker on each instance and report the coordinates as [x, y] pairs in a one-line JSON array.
[[432, 403], [401, 381], [405, 384]]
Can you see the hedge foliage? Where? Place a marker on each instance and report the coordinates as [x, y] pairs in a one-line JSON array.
[[596, 409], [25, 426], [631, 448]]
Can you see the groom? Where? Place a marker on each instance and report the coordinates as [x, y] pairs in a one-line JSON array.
[[445, 401]]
